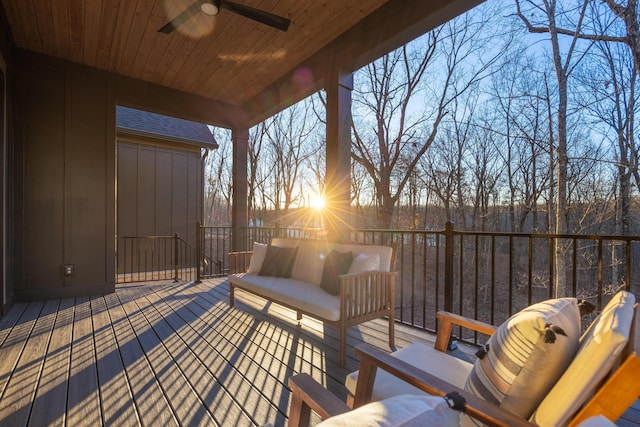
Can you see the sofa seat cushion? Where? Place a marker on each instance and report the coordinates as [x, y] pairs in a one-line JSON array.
[[294, 293], [448, 368]]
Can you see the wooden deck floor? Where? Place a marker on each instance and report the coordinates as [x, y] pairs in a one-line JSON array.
[[168, 354]]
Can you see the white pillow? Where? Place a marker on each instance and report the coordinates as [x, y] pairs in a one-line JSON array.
[[364, 262], [526, 355], [405, 410], [259, 252]]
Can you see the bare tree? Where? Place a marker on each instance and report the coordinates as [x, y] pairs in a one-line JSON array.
[[542, 18], [290, 137], [217, 199], [441, 66], [256, 178]]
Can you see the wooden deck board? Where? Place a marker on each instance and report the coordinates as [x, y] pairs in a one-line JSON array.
[[151, 403], [228, 362], [83, 405], [22, 386], [50, 402], [117, 398], [170, 354]]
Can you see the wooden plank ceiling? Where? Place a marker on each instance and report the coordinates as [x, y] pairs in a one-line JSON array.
[[227, 58]]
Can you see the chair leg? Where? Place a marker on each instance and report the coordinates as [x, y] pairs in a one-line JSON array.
[[299, 412], [343, 346], [392, 333], [232, 298]]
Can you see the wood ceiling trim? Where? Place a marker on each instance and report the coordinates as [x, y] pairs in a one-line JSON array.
[[381, 32]]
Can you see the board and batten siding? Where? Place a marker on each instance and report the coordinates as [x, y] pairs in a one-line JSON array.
[[158, 191]]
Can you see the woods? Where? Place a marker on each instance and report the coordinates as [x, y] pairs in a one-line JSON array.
[[517, 116]]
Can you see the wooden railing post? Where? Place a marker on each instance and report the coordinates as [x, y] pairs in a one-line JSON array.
[[176, 259], [199, 252], [448, 266]]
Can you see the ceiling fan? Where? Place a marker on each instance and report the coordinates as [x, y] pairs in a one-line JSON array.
[[212, 7]]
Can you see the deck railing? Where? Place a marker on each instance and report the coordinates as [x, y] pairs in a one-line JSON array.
[[484, 275], [149, 258]]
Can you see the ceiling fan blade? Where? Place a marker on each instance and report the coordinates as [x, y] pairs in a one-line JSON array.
[[180, 19], [258, 15]]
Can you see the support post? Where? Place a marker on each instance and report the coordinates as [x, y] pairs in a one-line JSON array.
[[448, 266], [239, 210], [199, 252], [176, 258], [338, 159]]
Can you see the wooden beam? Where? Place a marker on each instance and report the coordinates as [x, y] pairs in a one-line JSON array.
[[338, 164], [239, 209], [148, 96], [394, 24]]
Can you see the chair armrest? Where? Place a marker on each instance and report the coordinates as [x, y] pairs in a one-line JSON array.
[[447, 320], [308, 395], [239, 261], [372, 358]]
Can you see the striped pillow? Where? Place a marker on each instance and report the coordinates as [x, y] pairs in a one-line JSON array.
[[526, 355]]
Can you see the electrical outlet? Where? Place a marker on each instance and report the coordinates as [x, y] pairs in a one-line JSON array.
[[69, 269]]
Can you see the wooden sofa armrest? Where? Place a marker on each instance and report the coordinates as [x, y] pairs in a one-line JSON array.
[[372, 358], [239, 261], [367, 292], [308, 395], [446, 322]]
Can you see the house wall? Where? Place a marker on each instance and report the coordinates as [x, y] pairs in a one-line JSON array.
[[6, 150], [159, 190], [65, 149]]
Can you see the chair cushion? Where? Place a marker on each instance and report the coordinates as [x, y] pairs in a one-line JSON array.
[[526, 356], [600, 347], [449, 368], [398, 411], [257, 257]]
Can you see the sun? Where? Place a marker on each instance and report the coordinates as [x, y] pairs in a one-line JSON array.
[[317, 202]]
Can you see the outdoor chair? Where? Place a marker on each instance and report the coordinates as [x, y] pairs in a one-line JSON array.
[[309, 396], [544, 372]]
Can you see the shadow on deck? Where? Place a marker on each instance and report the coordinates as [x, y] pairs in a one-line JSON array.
[[169, 354]]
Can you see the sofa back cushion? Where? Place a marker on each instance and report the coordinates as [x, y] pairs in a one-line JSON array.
[[600, 347], [312, 254], [310, 259], [526, 356]]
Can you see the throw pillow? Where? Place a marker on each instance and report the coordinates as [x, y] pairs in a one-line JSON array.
[[336, 264], [257, 258], [526, 355], [278, 261], [600, 347], [364, 262], [405, 410]]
